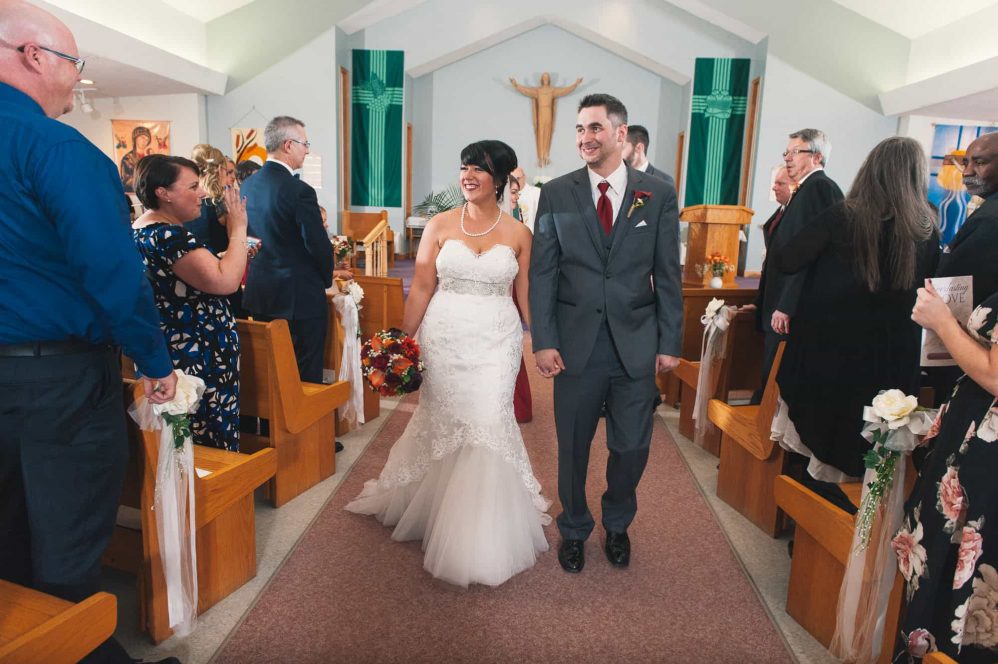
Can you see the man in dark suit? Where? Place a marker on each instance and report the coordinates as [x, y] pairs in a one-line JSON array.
[[805, 159], [606, 307], [290, 275], [974, 248], [635, 153]]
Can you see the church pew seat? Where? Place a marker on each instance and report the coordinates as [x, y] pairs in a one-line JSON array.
[[356, 226], [301, 414], [36, 627], [750, 460], [695, 301], [742, 357], [224, 517], [822, 543]]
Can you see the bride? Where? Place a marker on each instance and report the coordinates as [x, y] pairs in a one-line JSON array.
[[459, 477]]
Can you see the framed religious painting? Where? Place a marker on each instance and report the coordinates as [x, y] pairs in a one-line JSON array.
[[247, 145], [134, 139]]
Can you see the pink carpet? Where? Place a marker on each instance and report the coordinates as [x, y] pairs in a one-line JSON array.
[[348, 593]]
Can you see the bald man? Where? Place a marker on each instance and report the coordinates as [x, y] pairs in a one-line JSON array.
[[74, 292]]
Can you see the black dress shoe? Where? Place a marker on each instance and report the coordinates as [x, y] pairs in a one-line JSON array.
[[572, 555], [618, 549], [339, 447]]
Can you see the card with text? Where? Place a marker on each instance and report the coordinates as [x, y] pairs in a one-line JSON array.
[[958, 293]]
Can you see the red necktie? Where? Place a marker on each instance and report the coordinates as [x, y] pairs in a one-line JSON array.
[[604, 210], [776, 221]]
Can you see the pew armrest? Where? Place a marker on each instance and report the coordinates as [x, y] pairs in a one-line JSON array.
[[317, 402], [740, 424], [688, 372], [233, 476], [831, 527]]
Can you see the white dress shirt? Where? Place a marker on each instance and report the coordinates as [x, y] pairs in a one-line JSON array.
[[618, 184]]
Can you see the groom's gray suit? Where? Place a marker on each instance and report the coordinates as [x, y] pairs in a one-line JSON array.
[[608, 304]]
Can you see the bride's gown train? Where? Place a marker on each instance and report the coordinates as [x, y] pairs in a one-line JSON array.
[[459, 478]]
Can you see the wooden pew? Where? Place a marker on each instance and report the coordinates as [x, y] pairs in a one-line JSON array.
[[301, 414], [356, 225], [822, 542], [35, 627], [938, 658], [695, 301], [750, 461], [224, 517], [742, 361]]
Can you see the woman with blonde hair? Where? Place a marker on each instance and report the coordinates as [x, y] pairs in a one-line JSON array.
[[209, 228]]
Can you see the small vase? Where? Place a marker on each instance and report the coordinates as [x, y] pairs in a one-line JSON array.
[[716, 282]]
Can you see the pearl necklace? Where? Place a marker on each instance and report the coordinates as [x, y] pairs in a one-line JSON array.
[[486, 231]]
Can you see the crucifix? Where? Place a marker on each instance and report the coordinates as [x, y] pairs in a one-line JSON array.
[[543, 97]]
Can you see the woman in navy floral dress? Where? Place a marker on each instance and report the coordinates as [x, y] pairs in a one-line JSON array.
[[947, 548], [190, 285]]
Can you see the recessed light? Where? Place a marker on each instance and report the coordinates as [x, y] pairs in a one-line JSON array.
[[86, 81]]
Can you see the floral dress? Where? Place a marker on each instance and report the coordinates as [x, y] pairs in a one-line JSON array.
[[947, 548], [200, 333]]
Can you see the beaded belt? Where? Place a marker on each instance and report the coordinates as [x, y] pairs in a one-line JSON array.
[[472, 287]]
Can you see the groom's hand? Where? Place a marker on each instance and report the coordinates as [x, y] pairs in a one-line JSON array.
[[549, 362], [665, 363]]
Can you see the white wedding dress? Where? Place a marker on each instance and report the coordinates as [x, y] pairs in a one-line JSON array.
[[459, 478]]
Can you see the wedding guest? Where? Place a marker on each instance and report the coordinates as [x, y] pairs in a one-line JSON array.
[[527, 198], [209, 227], [636, 153], [806, 156], [290, 276], [244, 169], [73, 291], [946, 548], [190, 284], [852, 336], [230, 171], [338, 272]]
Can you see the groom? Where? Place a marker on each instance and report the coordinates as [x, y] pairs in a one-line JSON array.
[[606, 305]]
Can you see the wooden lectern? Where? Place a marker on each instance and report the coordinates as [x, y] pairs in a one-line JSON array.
[[713, 228]]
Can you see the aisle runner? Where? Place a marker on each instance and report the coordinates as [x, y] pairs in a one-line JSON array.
[[348, 593]]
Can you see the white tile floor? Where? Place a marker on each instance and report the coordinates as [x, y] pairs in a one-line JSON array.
[[764, 559]]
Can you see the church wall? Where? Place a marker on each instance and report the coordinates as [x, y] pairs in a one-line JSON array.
[[305, 86], [792, 100], [185, 112], [473, 100]]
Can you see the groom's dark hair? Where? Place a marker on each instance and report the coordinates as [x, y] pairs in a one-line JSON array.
[[615, 108]]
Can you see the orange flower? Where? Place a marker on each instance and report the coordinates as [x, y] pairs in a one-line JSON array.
[[376, 343], [400, 365], [376, 378]]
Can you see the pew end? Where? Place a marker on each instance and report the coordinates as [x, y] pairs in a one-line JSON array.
[[35, 627], [750, 459], [301, 414]]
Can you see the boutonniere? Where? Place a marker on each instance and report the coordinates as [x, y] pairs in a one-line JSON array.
[[640, 198]]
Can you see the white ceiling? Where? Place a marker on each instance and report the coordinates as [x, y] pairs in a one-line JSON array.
[[915, 18], [206, 10]]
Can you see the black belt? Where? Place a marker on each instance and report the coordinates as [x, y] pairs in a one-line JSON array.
[[44, 348]]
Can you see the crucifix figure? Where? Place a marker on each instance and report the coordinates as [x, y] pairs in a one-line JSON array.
[[543, 97]]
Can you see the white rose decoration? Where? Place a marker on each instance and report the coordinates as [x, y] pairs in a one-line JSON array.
[[713, 307], [355, 291], [186, 398], [894, 407]]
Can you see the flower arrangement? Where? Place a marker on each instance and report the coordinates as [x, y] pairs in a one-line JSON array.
[[390, 362], [176, 413], [342, 249], [894, 419], [716, 265], [356, 291]]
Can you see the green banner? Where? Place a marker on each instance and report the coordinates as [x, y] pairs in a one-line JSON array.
[[717, 129], [376, 179]]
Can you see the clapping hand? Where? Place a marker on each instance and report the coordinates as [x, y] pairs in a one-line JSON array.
[[235, 209], [930, 311]]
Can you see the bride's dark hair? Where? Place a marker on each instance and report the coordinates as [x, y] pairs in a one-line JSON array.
[[495, 158]]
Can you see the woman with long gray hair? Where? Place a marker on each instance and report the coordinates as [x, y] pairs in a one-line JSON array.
[[853, 334]]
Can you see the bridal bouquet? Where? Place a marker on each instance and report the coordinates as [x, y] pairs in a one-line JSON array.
[[390, 362]]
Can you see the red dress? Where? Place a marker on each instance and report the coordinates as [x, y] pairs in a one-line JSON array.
[[523, 403]]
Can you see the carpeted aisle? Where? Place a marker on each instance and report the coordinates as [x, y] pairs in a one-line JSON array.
[[348, 593]]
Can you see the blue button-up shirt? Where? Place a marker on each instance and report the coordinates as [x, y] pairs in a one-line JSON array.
[[68, 266]]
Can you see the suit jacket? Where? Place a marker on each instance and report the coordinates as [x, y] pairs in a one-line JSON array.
[[974, 251], [289, 276], [769, 223], [654, 172], [780, 291], [576, 281]]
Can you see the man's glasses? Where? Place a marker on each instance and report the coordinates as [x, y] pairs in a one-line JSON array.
[[797, 151], [305, 143], [79, 63]]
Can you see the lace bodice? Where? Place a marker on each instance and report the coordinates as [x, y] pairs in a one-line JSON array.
[[461, 270]]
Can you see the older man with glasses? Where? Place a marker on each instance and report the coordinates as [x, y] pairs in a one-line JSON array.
[[74, 291], [805, 158]]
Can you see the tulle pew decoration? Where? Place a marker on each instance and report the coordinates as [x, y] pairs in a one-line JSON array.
[[715, 321], [174, 495], [896, 425]]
